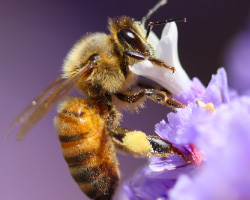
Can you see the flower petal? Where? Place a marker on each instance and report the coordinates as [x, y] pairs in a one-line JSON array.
[[166, 50], [224, 138], [153, 39], [217, 91], [170, 163], [150, 185]]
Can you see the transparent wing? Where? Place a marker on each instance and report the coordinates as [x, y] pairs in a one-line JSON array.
[[45, 101]]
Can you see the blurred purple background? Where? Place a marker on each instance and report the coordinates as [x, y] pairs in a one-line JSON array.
[[35, 36]]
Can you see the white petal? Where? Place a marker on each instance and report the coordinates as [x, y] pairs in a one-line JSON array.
[[150, 71], [167, 47], [153, 39], [166, 50]]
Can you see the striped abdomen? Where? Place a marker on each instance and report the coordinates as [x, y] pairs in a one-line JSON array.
[[87, 148]]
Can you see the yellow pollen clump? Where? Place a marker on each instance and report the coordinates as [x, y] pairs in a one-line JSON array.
[[136, 142]]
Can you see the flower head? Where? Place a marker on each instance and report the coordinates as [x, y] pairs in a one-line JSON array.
[[213, 130], [224, 138]]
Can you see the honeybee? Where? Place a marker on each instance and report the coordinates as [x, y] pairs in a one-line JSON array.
[[88, 128]]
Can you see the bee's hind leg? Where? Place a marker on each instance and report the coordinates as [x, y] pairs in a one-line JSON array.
[[139, 144], [126, 140]]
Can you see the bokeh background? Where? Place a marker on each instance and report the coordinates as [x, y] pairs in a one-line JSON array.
[[36, 35]]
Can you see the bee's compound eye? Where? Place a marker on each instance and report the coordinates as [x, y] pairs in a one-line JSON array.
[[131, 38], [127, 34]]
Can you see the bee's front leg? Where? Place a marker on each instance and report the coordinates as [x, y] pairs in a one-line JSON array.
[[142, 56]]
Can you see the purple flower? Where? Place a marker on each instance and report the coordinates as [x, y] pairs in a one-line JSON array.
[[212, 130], [149, 184], [224, 137], [217, 141]]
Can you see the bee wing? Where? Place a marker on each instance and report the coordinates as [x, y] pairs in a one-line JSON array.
[[45, 101]]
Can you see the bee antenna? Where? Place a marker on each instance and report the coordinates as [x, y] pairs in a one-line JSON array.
[[153, 10], [151, 24]]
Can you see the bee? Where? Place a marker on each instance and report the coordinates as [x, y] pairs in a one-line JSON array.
[[88, 128]]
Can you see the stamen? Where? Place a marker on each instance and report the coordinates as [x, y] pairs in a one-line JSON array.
[[209, 106]]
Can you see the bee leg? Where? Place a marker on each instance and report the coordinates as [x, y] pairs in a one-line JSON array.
[[145, 85], [121, 137], [160, 147], [153, 94], [117, 136], [141, 56], [142, 145], [151, 24]]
